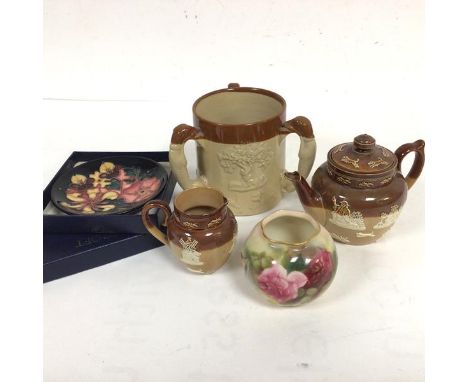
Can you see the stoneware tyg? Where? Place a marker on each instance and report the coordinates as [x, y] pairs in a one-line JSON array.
[[240, 134]]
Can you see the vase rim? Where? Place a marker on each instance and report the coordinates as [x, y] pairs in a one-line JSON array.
[[315, 227]]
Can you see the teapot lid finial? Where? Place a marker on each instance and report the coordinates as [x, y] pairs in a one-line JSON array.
[[364, 142]]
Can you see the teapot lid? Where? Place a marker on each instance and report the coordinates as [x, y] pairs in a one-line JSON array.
[[362, 158]]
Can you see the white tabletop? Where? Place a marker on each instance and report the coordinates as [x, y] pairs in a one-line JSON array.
[[121, 75]]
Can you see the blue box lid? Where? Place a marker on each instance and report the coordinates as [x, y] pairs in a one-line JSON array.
[[67, 254]]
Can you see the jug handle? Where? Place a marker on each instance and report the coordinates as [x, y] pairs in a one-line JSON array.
[[308, 148], [177, 158], [418, 164], [145, 216]]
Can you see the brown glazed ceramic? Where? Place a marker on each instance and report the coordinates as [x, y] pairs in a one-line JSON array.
[[240, 134], [201, 231], [359, 192]]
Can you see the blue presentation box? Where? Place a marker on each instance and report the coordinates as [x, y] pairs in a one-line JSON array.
[[74, 243]]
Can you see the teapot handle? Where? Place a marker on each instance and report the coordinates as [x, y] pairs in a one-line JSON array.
[[177, 159], [153, 230], [418, 164], [302, 127]]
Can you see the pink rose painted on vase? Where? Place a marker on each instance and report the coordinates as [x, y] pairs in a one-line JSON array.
[[290, 258], [319, 270], [280, 285]]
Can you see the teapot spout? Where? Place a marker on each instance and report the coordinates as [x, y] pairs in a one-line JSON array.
[[310, 199]]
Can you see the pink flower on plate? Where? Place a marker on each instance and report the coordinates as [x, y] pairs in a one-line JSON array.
[[280, 285], [319, 270], [140, 190], [122, 177]]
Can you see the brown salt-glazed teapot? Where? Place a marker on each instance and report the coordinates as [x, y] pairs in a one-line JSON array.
[[359, 192]]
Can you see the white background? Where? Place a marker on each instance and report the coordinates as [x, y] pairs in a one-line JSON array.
[[119, 75]]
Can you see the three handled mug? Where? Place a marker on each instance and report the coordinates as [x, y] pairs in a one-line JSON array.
[[240, 134]]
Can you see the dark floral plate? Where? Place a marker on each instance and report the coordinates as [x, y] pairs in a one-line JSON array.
[[114, 185]]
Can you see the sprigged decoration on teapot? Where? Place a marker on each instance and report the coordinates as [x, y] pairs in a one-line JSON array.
[[358, 193]]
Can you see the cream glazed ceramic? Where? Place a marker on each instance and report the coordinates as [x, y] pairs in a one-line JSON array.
[[290, 258], [240, 134]]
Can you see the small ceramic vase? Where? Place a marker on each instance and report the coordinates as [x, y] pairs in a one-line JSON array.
[[290, 258], [200, 232]]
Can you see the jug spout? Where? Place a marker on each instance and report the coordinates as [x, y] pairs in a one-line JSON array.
[[310, 199]]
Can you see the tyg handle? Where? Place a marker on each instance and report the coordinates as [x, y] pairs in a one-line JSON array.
[[418, 164], [302, 127], [153, 230], [177, 159]]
